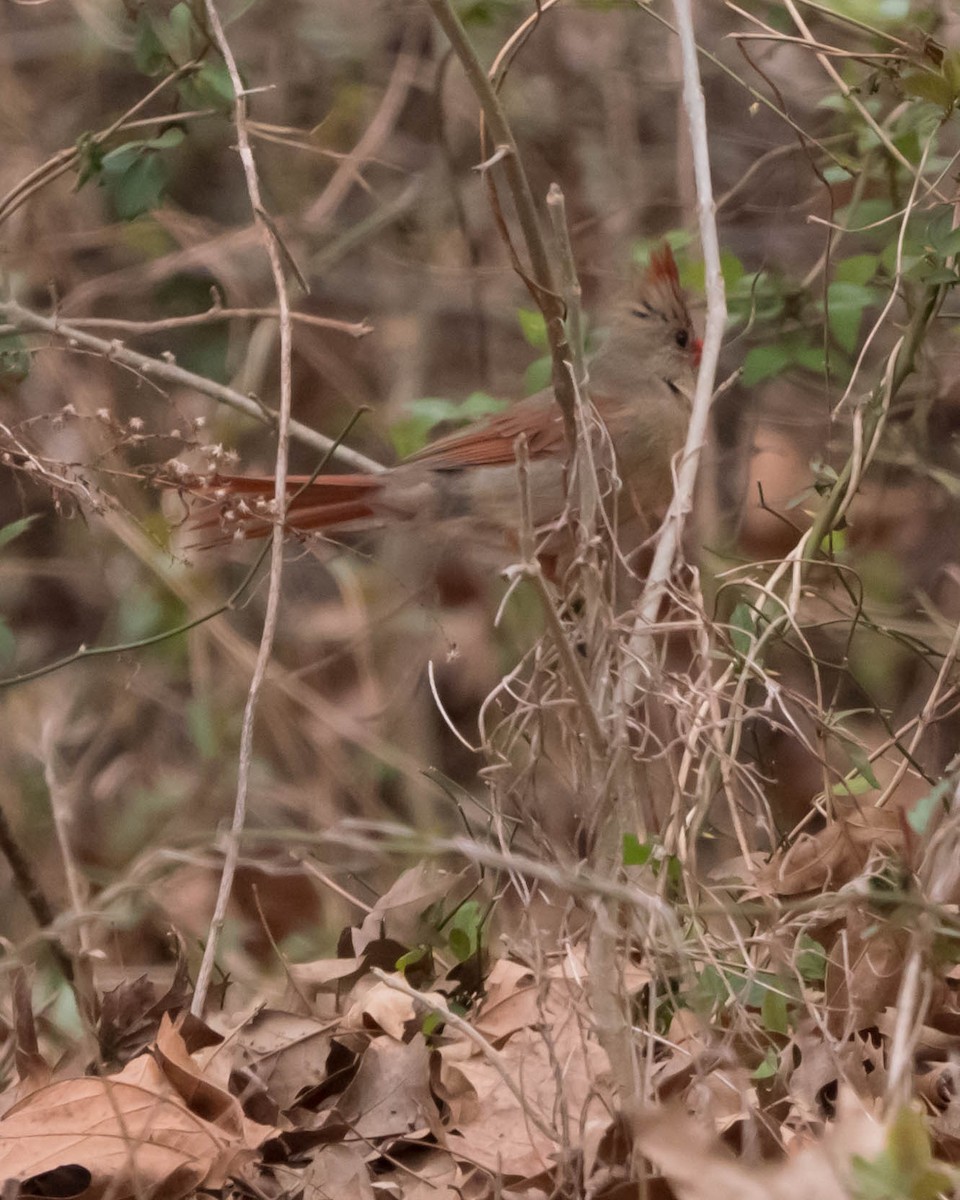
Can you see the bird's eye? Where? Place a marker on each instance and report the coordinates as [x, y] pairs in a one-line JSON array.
[[682, 338]]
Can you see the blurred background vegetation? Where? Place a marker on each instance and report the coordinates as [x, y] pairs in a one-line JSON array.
[[366, 138]]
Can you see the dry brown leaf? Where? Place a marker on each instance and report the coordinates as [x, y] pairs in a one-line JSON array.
[[835, 854], [690, 1051], [511, 1001], [938, 1085], [818, 1068], [381, 1006], [32, 1068], [932, 1043], [864, 968], [325, 971], [288, 1053], [337, 1171], [722, 1098], [191, 1080], [125, 1028], [398, 912], [130, 1012], [426, 1173], [494, 1130], [158, 1128], [699, 1168], [390, 1094], [129, 1135]]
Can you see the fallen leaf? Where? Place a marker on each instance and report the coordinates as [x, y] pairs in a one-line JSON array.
[[390, 1094], [338, 1172], [130, 1135], [288, 1053], [398, 913]]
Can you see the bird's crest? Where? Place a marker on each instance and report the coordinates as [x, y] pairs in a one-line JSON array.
[[659, 286]]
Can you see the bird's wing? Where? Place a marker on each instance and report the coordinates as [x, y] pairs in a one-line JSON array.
[[490, 442]]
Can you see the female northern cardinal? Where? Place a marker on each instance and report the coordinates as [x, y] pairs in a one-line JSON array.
[[641, 383]]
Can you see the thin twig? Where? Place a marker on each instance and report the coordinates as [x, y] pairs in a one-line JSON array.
[[25, 319], [854, 100], [62, 813], [542, 285], [668, 543], [572, 292], [349, 169], [275, 252], [354, 329], [33, 894]]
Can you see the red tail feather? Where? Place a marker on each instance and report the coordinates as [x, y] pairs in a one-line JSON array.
[[243, 502]]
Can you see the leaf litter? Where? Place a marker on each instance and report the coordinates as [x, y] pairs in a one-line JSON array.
[[354, 1087]]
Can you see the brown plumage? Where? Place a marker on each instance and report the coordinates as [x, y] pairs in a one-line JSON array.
[[641, 383]]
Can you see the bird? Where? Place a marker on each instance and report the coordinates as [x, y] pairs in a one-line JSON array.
[[641, 384]]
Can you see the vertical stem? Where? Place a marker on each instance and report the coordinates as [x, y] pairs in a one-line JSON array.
[[543, 286], [265, 649]]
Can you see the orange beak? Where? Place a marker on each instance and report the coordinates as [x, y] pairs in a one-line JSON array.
[[697, 351]]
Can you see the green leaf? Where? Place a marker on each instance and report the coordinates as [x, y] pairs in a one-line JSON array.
[[930, 274], [135, 174], [677, 239], [768, 1068], [709, 992], [139, 188], [743, 628], [845, 307], [171, 137], [16, 528], [853, 784], [876, 12], [773, 1012], [693, 274], [534, 327], [482, 12], [464, 932], [538, 375], [15, 358], [121, 158], [635, 852], [835, 542], [859, 268], [410, 434], [149, 54], [811, 358], [89, 159], [731, 268], [905, 1169], [859, 781], [208, 87], [8, 643], [203, 729], [766, 362], [859, 759], [918, 818], [938, 240], [715, 987], [950, 65], [411, 958], [866, 213], [930, 86], [810, 959], [179, 35], [950, 243]]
